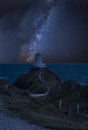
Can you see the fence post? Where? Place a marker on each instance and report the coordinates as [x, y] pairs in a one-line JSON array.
[[60, 104], [77, 109]]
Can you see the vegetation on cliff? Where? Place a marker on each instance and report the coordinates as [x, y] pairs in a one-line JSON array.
[[65, 104]]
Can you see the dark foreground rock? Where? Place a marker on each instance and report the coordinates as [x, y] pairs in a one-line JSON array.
[[30, 81], [65, 107]]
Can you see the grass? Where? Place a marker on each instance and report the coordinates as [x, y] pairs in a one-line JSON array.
[[45, 111], [33, 112]]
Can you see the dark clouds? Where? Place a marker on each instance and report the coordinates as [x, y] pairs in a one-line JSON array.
[[65, 37]]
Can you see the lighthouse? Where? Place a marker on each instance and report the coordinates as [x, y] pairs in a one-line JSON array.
[[38, 61]]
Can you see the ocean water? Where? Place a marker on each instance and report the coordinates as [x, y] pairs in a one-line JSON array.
[[76, 72], [10, 72]]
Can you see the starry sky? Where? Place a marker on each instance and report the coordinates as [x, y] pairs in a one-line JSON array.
[[58, 29]]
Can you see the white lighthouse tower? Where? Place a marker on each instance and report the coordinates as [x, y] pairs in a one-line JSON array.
[[38, 61]]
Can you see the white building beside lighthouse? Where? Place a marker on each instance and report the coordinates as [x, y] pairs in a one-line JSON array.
[[38, 61]]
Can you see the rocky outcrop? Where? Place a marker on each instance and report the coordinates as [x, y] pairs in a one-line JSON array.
[[60, 103], [37, 83]]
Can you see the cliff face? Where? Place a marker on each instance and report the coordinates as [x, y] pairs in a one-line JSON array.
[[65, 100], [32, 82], [69, 91], [36, 84]]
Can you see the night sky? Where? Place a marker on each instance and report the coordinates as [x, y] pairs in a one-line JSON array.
[[58, 29]]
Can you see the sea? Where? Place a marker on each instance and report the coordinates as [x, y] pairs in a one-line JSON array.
[[66, 71], [76, 72]]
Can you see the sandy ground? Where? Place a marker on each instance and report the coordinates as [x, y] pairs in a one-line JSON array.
[[9, 123], [14, 123]]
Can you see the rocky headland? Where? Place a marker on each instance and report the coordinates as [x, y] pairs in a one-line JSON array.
[[42, 98]]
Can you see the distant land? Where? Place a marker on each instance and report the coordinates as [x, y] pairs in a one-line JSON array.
[[42, 98]]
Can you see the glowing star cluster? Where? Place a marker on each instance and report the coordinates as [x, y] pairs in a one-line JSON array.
[[34, 46], [39, 26]]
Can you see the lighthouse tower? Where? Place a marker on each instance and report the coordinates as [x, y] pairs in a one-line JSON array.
[[38, 61]]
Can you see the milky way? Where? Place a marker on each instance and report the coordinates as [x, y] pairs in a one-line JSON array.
[[58, 29], [32, 46]]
